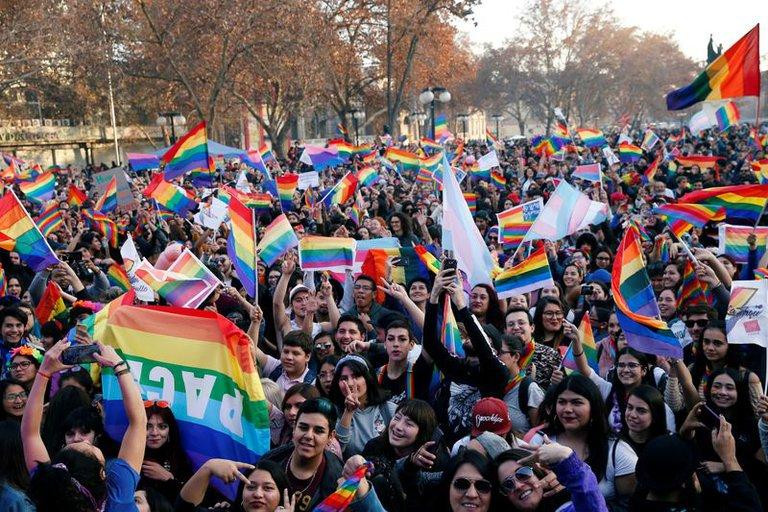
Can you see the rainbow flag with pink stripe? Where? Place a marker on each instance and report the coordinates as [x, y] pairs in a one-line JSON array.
[[187, 264], [343, 496], [327, 253], [278, 239], [178, 290], [118, 277]]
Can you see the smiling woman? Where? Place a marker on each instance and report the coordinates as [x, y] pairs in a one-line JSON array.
[[14, 398]]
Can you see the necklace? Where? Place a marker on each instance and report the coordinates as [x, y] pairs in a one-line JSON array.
[[288, 471]]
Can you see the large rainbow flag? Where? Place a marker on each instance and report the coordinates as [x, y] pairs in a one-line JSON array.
[[636, 305], [241, 245], [170, 196], [732, 241], [210, 381], [40, 188], [683, 216], [532, 274], [326, 253], [190, 153], [733, 74], [744, 203], [18, 232]]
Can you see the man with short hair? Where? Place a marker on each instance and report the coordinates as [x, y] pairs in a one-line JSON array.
[[366, 308], [404, 379], [293, 365], [312, 471], [12, 324]]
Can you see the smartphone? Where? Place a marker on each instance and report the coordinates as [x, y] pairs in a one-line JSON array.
[[79, 354], [437, 438], [709, 418], [450, 265]]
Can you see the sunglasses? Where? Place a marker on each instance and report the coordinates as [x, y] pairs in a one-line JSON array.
[[463, 485], [697, 323], [323, 346], [160, 403], [522, 475]]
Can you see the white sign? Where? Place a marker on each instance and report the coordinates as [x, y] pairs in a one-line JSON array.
[[211, 215], [747, 317], [308, 179], [131, 259]]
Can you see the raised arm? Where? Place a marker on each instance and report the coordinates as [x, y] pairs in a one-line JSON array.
[[278, 303], [228, 471], [398, 292], [135, 438]]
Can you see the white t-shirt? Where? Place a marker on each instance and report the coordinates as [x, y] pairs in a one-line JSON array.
[[519, 419]]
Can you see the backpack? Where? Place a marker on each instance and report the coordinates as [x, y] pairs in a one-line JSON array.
[[522, 395]]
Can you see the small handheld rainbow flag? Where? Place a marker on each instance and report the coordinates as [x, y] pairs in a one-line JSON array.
[[515, 222], [498, 179], [18, 232], [683, 216], [169, 195], [650, 172], [326, 253], [189, 153], [588, 345], [51, 304], [343, 496], [176, 289], [39, 189], [266, 153], [50, 219], [691, 291], [733, 241], [286, 188], [367, 176], [341, 192], [471, 199], [727, 116], [490, 139], [629, 153], [428, 259], [118, 277], [278, 239], [532, 274], [760, 168], [590, 172], [241, 245], [102, 224], [187, 264], [108, 201], [441, 130], [650, 139], [591, 138], [75, 196]]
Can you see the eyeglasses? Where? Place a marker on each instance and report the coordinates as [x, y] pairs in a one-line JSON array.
[[21, 364], [160, 403], [323, 346], [628, 366], [12, 397], [463, 485], [362, 287], [521, 474], [603, 258], [697, 323], [553, 314]]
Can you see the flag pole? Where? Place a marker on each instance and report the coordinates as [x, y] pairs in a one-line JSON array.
[[255, 257]]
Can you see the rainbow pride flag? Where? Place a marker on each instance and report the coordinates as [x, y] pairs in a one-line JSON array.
[[286, 188], [343, 496], [39, 189], [681, 217], [735, 73], [51, 304], [278, 239], [18, 232], [629, 153], [490, 139], [189, 153], [252, 159], [760, 168], [117, 276], [177, 289], [742, 203], [691, 291], [650, 172], [342, 192], [636, 305], [591, 138], [408, 161], [213, 387], [143, 161], [498, 179], [327, 253], [3, 282], [424, 175], [431, 162], [702, 161], [727, 116], [241, 245], [102, 224], [75, 196], [543, 146], [170, 196], [589, 172], [367, 176], [428, 259], [531, 274], [650, 139], [515, 222], [442, 134], [471, 199], [588, 345], [50, 219], [266, 153], [108, 201], [430, 145], [760, 273], [733, 241], [187, 264], [450, 337]]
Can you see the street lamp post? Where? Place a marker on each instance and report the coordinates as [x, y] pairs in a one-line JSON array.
[[418, 118], [498, 118], [170, 119], [463, 118], [357, 116], [429, 96]]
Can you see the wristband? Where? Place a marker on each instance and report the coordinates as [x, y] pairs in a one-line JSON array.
[[579, 354], [120, 363], [43, 374], [122, 372]]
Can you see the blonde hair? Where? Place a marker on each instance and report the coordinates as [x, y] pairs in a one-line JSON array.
[[272, 392]]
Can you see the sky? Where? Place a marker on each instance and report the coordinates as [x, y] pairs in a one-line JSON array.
[[689, 21]]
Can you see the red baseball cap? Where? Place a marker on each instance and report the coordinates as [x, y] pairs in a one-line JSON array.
[[490, 415]]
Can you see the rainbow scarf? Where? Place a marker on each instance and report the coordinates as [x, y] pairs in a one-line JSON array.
[[343, 496], [410, 381]]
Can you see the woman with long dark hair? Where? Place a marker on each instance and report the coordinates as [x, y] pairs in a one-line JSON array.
[[645, 417], [484, 304], [14, 478], [548, 322], [578, 421], [166, 466], [364, 409], [14, 397], [466, 484]]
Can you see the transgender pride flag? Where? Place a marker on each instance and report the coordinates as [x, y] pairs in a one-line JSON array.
[[566, 212]]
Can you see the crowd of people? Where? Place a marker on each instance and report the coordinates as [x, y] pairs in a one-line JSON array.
[[355, 372]]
